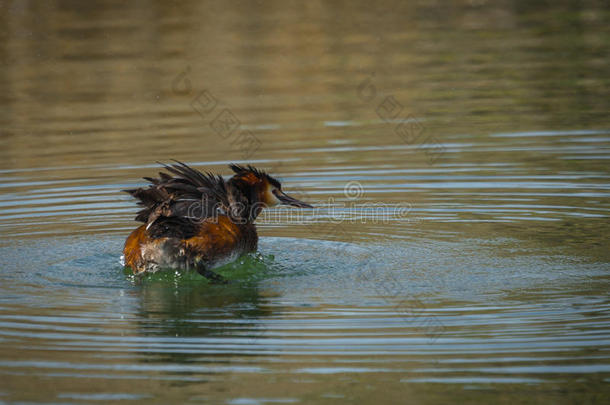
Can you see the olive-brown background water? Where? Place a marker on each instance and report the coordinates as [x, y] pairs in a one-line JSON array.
[[480, 129]]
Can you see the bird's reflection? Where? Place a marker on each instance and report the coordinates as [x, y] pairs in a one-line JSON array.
[[190, 316]]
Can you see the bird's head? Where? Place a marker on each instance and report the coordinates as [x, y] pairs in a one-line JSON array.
[[255, 189]]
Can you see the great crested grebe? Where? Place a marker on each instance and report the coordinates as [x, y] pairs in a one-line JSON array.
[[195, 220]]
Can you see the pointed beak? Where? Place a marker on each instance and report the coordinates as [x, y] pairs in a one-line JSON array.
[[286, 199]]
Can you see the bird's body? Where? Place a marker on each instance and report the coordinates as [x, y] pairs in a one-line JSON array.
[[198, 221]]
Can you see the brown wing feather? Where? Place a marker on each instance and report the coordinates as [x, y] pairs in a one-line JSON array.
[[175, 199]]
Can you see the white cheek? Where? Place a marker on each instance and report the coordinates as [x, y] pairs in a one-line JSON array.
[[272, 200]]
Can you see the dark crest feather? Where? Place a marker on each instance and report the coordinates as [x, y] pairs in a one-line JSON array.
[[241, 170]]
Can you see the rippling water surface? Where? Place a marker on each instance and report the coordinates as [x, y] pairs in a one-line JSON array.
[[457, 157]]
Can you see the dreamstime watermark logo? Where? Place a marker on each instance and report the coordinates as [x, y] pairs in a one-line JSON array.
[[353, 190], [350, 211]]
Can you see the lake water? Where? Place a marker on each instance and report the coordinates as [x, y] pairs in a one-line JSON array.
[[457, 155]]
